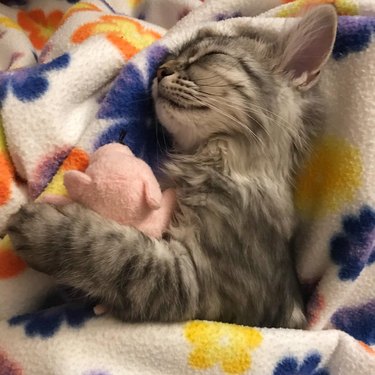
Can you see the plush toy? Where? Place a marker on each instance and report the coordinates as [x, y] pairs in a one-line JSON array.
[[120, 187]]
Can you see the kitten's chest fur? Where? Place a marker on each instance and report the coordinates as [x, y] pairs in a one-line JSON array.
[[236, 208], [224, 177]]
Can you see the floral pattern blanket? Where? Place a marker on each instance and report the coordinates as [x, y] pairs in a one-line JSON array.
[[73, 76]]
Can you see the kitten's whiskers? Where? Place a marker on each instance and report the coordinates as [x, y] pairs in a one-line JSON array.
[[248, 131]]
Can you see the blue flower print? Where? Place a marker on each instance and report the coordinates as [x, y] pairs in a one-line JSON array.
[[129, 104], [46, 323], [30, 83], [131, 94], [353, 35], [309, 366], [354, 247], [357, 321]]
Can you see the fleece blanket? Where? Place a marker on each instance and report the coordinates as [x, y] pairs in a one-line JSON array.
[[75, 75]]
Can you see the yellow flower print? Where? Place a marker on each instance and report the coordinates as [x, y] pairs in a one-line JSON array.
[[343, 7], [347, 7], [330, 178], [9, 23], [224, 344], [78, 8], [134, 3]]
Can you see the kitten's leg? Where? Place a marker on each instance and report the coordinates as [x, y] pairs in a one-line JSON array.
[[137, 277]]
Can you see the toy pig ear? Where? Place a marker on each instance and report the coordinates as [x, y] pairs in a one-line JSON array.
[[308, 46], [76, 182], [153, 194]]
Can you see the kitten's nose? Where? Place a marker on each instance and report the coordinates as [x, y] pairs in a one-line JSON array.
[[164, 71]]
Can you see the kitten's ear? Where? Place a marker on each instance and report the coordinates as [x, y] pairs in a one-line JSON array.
[[308, 46]]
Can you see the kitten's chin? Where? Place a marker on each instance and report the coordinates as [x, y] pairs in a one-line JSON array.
[[177, 123]]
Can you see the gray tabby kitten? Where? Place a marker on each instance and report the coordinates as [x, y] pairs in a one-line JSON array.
[[241, 109]]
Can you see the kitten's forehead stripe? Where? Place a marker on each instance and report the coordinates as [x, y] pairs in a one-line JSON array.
[[202, 54], [251, 72]]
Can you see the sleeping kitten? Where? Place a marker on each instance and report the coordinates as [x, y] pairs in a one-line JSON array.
[[241, 110]]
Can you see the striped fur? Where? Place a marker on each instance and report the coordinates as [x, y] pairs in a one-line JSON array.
[[241, 126]]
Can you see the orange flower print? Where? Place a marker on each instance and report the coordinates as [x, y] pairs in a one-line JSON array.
[[367, 348], [78, 160], [6, 173], [10, 264], [38, 25], [127, 34], [6, 170]]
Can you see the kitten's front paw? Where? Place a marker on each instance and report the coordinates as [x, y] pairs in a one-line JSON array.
[[32, 231]]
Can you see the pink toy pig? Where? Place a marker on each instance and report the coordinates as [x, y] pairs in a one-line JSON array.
[[121, 187]]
